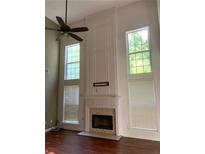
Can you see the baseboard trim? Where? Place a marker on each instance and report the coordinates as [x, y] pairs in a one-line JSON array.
[[49, 129], [143, 134]]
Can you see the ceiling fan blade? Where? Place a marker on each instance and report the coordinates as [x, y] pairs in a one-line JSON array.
[[79, 29], [60, 21], [66, 27], [52, 29], [75, 37]]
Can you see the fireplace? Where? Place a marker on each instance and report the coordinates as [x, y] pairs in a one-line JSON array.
[[101, 118], [102, 122]]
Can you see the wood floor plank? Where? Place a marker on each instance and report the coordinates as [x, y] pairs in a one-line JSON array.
[[68, 142]]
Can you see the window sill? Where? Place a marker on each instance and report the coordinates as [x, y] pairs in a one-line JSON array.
[[140, 76], [71, 122]]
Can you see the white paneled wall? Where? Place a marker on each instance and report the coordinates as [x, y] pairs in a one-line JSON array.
[[101, 60]]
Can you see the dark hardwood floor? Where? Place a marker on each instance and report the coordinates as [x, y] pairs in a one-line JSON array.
[[68, 142]]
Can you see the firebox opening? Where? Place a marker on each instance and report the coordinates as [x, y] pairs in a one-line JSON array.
[[102, 122]]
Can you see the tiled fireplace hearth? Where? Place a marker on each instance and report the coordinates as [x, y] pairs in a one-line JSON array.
[[101, 117]]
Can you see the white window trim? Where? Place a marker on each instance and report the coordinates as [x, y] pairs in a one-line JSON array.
[[70, 83], [143, 75], [65, 71], [68, 121]]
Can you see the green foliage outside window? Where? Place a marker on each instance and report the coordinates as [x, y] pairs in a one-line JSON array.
[[139, 54]]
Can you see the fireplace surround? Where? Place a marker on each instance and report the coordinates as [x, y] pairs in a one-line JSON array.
[[103, 111], [104, 117]]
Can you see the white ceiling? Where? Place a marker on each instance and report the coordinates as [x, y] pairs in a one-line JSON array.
[[78, 9]]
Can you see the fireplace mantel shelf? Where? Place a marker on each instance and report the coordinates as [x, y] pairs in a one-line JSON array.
[[102, 97]]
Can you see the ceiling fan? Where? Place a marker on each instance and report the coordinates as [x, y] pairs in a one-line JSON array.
[[67, 30]]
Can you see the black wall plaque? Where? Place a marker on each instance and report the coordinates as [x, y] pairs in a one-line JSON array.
[[100, 84]]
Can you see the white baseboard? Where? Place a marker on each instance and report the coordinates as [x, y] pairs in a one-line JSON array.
[[143, 134], [49, 129]]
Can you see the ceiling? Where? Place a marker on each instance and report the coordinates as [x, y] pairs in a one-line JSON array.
[[79, 9]]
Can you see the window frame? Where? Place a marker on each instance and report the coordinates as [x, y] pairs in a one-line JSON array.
[[66, 64], [70, 82], [63, 117], [141, 75]]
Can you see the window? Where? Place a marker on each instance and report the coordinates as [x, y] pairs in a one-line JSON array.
[[72, 62], [138, 51], [142, 107], [71, 104]]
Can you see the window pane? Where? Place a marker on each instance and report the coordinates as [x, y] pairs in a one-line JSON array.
[[73, 53], [147, 69], [136, 63], [131, 57], [134, 41], [72, 62], [138, 50], [140, 69], [139, 62], [142, 107], [138, 55], [133, 70], [138, 47], [132, 61], [131, 43], [146, 62], [146, 55], [144, 35], [137, 38], [145, 46], [73, 71], [138, 41], [71, 104]]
